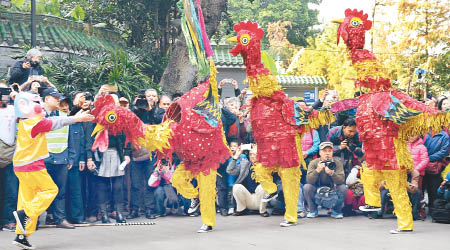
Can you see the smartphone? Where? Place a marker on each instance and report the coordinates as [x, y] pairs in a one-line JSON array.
[[246, 146]]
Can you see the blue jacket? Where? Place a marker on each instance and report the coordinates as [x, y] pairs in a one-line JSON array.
[[440, 191], [336, 136], [77, 144], [437, 145]]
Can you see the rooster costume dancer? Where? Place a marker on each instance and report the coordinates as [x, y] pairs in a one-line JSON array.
[[385, 118], [278, 122], [192, 127], [36, 188]]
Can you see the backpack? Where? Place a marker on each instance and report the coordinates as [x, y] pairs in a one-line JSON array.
[[326, 197], [441, 211], [7, 154]]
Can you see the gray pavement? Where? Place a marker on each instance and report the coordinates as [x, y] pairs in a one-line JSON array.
[[246, 232]]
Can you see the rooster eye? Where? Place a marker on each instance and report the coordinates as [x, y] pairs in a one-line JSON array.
[[355, 23], [245, 39], [111, 117]]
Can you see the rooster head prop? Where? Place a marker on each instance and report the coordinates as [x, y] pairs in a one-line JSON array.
[[247, 40], [352, 28], [113, 119]]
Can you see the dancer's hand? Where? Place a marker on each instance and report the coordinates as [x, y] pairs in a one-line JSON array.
[[69, 166]]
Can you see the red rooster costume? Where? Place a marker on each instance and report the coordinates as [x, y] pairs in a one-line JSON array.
[[278, 122], [385, 119], [192, 127]]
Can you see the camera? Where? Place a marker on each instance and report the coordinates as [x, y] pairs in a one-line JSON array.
[[446, 185], [5, 91], [32, 63], [141, 100], [329, 164], [350, 143]]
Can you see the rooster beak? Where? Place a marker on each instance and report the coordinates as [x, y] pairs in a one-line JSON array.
[[98, 128], [338, 21], [232, 39]]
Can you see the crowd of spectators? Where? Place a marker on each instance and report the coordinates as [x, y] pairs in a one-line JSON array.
[[126, 182]]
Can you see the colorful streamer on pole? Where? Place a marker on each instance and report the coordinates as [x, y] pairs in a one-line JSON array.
[[197, 41]]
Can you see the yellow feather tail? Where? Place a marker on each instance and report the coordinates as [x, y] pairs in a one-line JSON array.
[[157, 137]]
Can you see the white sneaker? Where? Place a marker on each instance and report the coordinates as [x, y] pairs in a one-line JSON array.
[[367, 208], [205, 229], [399, 231], [195, 204], [231, 211], [287, 223]]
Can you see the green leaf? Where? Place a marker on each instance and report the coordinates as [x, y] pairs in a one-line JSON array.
[[78, 13], [18, 3], [269, 62]]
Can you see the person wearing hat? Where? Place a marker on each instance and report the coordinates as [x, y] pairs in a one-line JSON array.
[[58, 162], [325, 171]]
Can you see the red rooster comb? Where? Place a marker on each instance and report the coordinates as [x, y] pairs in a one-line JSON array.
[[250, 26], [361, 15], [101, 102]]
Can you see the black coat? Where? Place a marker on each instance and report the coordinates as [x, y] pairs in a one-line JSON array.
[[20, 75]]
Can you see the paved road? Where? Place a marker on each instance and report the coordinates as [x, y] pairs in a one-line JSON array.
[[247, 232]]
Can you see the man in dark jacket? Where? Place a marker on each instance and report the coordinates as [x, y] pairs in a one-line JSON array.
[[77, 163], [27, 67], [346, 144], [325, 171]]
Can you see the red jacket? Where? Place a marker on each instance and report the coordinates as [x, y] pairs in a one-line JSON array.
[[419, 154]]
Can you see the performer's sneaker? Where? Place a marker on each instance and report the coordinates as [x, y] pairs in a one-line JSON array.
[[269, 197], [22, 220], [22, 242], [287, 223], [195, 204], [399, 231], [368, 208], [205, 229]]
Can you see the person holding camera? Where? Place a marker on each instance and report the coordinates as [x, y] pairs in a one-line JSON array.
[[325, 171], [9, 184], [346, 144], [444, 188], [246, 191], [233, 83], [141, 166], [22, 70]]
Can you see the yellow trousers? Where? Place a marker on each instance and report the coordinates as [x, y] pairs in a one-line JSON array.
[[290, 179], [205, 191], [36, 192], [396, 182]]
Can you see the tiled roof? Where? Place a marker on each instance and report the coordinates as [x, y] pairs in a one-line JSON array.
[[223, 58], [56, 34], [287, 80]]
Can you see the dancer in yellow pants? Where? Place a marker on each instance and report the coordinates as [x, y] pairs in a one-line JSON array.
[[205, 191], [36, 188], [290, 179], [396, 182]]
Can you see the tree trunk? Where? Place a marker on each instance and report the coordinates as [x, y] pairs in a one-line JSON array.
[[179, 76]]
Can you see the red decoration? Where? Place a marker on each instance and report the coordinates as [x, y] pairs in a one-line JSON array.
[[117, 119], [194, 140]]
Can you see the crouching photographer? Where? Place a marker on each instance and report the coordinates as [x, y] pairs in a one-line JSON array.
[[325, 183], [444, 189]]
